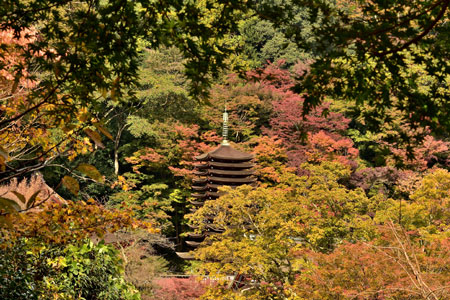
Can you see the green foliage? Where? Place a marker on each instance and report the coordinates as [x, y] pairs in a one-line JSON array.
[[264, 226], [427, 210], [36, 270], [262, 43], [366, 57], [22, 271], [90, 271]]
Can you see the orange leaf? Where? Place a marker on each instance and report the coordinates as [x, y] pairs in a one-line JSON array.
[[95, 136]]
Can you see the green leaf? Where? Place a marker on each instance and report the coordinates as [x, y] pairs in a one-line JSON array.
[[71, 184], [90, 171], [9, 205], [19, 196]]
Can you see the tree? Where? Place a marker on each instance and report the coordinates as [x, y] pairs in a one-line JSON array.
[[307, 139], [262, 44], [179, 289], [46, 252], [263, 227], [392, 267], [366, 53], [310, 237], [86, 52]]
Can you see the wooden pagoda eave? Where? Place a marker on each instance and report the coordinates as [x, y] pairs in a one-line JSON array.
[[225, 153], [193, 243], [196, 235], [200, 173], [213, 194], [199, 196], [197, 203], [226, 165], [231, 180], [210, 232], [201, 166], [215, 228], [185, 255], [242, 165], [199, 180], [231, 172], [199, 187]]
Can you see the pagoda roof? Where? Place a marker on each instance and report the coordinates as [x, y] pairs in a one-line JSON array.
[[198, 195], [225, 152], [231, 172], [224, 172], [197, 203], [206, 195], [216, 164], [199, 173], [215, 228], [193, 244], [192, 226], [199, 187], [185, 255], [209, 232], [232, 180], [199, 180], [209, 186], [195, 235]]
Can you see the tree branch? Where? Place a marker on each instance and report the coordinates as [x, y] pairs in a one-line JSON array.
[[420, 36]]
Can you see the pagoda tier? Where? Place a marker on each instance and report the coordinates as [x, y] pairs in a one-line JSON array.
[[226, 154], [220, 165], [224, 166]]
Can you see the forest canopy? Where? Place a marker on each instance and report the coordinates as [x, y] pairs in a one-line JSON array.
[[344, 104]]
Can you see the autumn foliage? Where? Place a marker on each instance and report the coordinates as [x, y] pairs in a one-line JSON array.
[[178, 289], [104, 105]]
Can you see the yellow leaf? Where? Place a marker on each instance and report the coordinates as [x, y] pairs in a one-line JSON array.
[[95, 136], [103, 130], [90, 171]]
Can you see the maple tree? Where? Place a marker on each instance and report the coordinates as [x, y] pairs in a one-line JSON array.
[[297, 239], [313, 138], [392, 267], [179, 288], [46, 251]]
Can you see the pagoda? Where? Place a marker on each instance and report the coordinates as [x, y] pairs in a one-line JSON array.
[[224, 166]]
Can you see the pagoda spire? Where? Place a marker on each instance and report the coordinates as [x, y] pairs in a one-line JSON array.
[[225, 127]]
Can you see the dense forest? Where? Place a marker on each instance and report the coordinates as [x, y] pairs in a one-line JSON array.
[[104, 105]]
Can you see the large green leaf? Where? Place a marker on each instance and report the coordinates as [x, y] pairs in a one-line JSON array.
[[19, 196], [9, 205], [71, 184], [32, 199]]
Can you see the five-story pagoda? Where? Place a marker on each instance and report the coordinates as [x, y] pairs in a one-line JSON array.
[[222, 166]]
